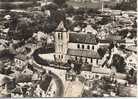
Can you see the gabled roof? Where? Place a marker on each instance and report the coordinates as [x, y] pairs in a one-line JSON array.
[[112, 38], [61, 27], [90, 29], [84, 53], [82, 38]]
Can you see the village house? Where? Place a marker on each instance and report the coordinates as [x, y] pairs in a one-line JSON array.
[[20, 60], [96, 71]]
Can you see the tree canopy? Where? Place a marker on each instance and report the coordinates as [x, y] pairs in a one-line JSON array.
[[23, 29], [119, 63], [60, 2], [131, 5]]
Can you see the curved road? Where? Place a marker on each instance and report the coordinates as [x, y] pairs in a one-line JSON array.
[[43, 62], [59, 85], [39, 61]]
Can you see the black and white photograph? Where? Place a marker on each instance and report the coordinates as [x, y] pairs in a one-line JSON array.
[[68, 48]]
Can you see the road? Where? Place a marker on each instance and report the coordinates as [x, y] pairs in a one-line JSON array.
[[56, 78], [59, 85]]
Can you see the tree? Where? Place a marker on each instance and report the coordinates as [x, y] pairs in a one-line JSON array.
[[92, 11], [105, 20], [23, 30], [6, 54], [77, 67], [123, 33], [130, 5], [119, 63], [60, 2], [70, 10], [102, 51], [80, 11], [51, 23]]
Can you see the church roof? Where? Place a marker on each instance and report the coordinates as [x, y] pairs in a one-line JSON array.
[[82, 38], [61, 27], [84, 53]]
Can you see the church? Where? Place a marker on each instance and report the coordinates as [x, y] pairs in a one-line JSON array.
[[76, 46]]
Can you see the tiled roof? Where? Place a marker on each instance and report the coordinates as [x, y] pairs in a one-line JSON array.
[[84, 53], [82, 38]]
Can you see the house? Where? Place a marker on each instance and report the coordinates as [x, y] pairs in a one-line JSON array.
[[20, 60], [132, 48], [6, 84], [130, 42], [131, 61], [77, 46], [96, 71]]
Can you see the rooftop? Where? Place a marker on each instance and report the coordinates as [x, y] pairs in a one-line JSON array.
[[132, 48], [61, 27], [112, 38], [82, 38], [84, 53], [21, 57]]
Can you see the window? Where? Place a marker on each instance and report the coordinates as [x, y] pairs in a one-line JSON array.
[[60, 36], [97, 61], [78, 46], [130, 60], [76, 58], [60, 48], [61, 56], [88, 47], [86, 60], [91, 60], [82, 46], [93, 47]]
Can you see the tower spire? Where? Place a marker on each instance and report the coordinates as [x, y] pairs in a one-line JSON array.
[[61, 27]]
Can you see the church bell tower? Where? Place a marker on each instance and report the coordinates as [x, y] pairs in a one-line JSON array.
[[61, 43]]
